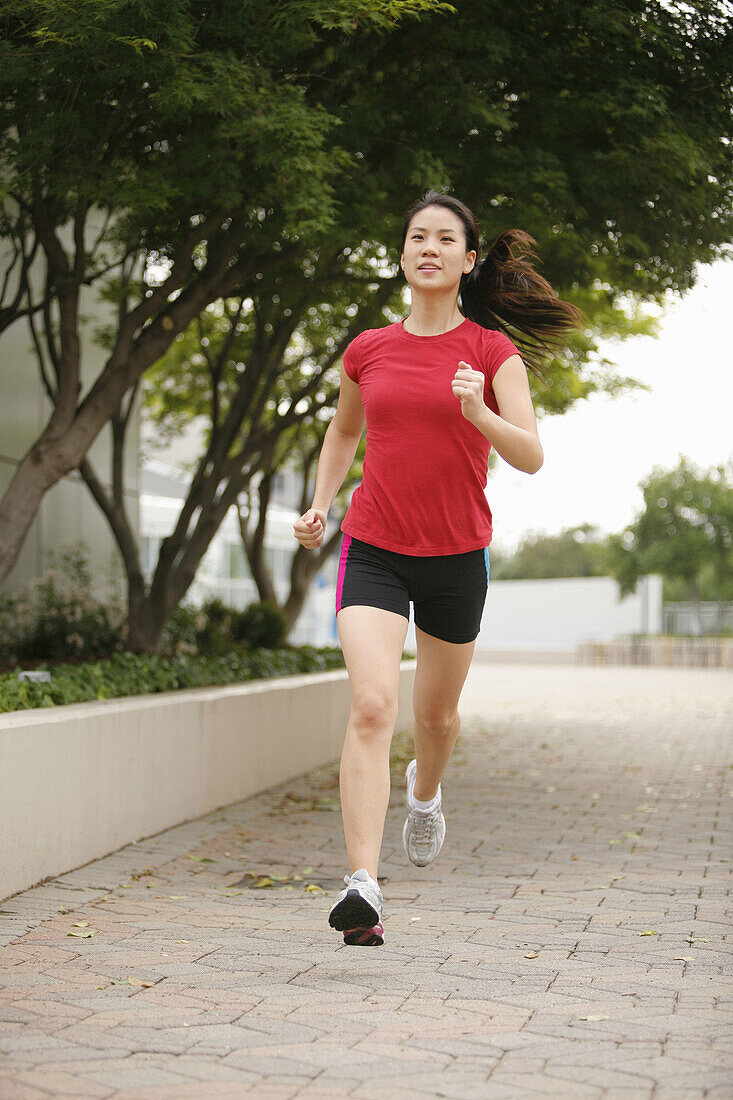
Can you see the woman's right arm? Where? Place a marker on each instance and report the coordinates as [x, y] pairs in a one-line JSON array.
[[340, 443]]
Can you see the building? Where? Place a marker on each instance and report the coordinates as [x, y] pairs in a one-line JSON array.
[[67, 514], [224, 570]]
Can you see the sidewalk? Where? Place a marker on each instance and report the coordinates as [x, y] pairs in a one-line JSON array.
[[572, 940]]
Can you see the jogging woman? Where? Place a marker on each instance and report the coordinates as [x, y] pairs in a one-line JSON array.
[[437, 391]]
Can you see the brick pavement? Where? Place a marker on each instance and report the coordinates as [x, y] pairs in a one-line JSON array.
[[571, 942]]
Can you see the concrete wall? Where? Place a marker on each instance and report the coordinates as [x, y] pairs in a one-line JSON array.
[[79, 782], [558, 614], [68, 514]]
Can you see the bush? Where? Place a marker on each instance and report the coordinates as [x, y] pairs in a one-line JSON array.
[[182, 630], [140, 674], [213, 634], [57, 617], [260, 624], [56, 620]]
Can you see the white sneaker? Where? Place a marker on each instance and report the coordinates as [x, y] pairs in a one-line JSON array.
[[424, 831], [360, 905]]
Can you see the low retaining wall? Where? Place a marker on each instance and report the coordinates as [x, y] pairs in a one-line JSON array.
[[688, 652], [78, 782]]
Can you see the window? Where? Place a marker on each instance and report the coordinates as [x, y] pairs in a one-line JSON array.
[[238, 566]]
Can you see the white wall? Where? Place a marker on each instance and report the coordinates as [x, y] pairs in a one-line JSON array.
[[80, 781], [561, 612]]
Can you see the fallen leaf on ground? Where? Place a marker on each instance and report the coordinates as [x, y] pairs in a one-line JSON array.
[[129, 980]]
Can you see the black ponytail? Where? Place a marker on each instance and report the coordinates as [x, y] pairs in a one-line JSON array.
[[504, 292]]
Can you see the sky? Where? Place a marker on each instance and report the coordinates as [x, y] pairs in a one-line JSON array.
[[597, 453]]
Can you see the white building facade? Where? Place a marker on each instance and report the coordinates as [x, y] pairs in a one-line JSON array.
[[542, 615], [68, 514], [224, 571]]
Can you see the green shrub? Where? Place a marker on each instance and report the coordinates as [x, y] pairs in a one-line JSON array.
[[182, 629], [214, 627], [57, 617], [140, 674], [260, 624]]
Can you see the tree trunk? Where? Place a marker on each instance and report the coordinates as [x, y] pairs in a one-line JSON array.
[[306, 564], [148, 617], [19, 506], [70, 432]]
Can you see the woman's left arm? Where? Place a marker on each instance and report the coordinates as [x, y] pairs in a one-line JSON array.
[[513, 434]]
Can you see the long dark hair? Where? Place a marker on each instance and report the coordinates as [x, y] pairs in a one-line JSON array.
[[504, 289]]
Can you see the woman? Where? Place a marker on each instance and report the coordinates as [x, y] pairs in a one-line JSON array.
[[437, 391]]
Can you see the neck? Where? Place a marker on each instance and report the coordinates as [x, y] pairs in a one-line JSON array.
[[432, 316]]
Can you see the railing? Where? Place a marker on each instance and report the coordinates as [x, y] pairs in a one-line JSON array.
[[707, 617], [665, 650]]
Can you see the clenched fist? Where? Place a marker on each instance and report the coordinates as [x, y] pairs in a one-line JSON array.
[[310, 529]]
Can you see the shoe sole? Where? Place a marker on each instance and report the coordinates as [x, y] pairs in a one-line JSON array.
[[365, 937], [353, 911]]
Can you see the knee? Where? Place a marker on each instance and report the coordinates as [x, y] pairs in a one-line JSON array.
[[438, 723], [372, 712]]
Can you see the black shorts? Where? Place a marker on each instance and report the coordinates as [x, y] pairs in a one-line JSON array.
[[448, 590]]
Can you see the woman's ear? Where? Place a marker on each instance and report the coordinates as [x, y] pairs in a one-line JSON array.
[[470, 262]]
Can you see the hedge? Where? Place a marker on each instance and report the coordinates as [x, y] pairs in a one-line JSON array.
[[142, 674]]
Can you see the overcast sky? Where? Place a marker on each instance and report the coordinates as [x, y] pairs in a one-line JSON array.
[[597, 453]]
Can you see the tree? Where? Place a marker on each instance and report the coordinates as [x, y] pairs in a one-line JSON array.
[[685, 533], [305, 564], [575, 552], [547, 137], [333, 267], [144, 148], [261, 374]]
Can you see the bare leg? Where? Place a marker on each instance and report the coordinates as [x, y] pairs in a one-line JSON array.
[[372, 640], [433, 748], [442, 668]]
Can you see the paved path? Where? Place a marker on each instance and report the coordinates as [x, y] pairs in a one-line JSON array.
[[571, 941]]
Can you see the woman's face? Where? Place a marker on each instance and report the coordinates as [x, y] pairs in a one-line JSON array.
[[434, 256]]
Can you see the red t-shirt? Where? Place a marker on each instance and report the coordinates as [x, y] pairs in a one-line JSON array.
[[426, 466]]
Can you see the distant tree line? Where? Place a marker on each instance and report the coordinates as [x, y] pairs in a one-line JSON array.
[[683, 532]]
